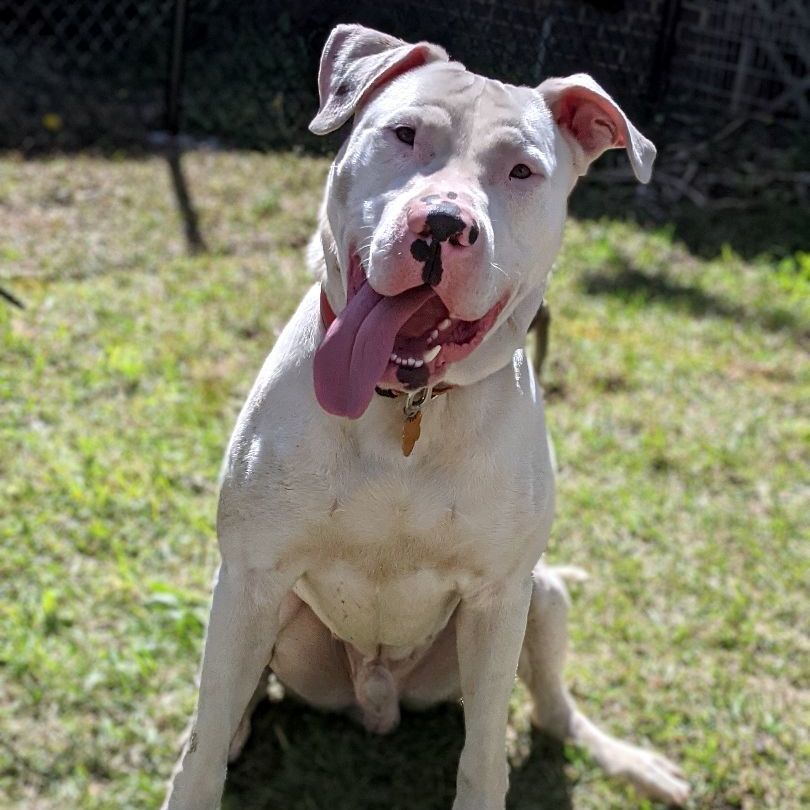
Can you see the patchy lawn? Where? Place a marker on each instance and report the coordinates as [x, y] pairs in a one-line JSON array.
[[677, 392]]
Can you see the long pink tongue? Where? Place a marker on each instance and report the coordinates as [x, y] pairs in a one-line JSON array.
[[354, 354]]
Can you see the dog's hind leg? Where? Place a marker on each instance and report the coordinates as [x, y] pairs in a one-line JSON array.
[[542, 660]]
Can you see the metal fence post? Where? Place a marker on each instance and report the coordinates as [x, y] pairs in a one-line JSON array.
[[174, 84], [174, 89], [664, 49]]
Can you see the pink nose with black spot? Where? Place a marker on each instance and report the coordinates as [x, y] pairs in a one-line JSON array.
[[445, 229]]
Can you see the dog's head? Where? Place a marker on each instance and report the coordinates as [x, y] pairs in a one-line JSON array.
[[444, 210]]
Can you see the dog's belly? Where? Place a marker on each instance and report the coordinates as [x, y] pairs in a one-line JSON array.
[[334, 675], [388, 617]]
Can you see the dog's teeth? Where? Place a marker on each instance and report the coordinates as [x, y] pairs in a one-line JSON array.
[[417, 363], [433, 335], [445, 324], [411, 361], [393, 357], [431, 354]]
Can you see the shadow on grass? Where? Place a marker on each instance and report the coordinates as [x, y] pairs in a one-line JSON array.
[[758, 227], [195, 243], [301, 759], [628, 283]]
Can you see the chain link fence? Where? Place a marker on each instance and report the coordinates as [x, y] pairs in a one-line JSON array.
[[744, 56], [110, 73], [250, 70], [76, 73]]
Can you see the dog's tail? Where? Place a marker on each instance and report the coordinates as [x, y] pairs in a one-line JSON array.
[[570, 573], [555, 578]]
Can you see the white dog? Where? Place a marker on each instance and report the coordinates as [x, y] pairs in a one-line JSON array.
[[368, 565]]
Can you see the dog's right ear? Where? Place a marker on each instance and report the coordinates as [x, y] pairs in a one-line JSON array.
[[356, 61]]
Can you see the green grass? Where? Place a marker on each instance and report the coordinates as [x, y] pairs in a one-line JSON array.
[[677, 390]]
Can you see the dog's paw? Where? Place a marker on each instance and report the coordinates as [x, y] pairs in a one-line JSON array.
[[652, 774]]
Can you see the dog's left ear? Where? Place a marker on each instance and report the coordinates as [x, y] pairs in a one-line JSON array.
[[593, 122], [357, 60]]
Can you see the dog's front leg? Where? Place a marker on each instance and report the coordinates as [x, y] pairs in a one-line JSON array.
[[242, 630], [489, 633]]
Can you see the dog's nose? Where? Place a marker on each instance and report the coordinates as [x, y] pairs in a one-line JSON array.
[[444, 221]]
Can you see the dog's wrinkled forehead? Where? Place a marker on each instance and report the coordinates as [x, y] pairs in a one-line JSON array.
[[441, 83], [446, 95]]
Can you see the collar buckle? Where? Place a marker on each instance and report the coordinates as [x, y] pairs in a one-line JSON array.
[[415, 400]]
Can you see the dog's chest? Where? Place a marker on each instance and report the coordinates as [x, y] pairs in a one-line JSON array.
[[396, 550], [388, 616]]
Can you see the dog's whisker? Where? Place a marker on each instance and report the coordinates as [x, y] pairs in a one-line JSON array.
[[365, 246]]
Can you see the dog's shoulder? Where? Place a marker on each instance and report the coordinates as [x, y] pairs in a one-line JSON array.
[[281, 406]]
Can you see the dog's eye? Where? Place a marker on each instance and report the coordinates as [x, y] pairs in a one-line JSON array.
[[520, 172], [405, 134]]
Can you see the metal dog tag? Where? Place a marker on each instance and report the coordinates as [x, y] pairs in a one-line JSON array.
[[413, 418], [410, 432]]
